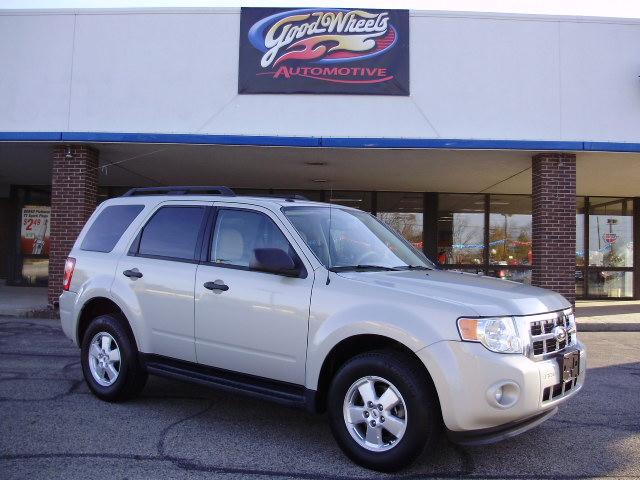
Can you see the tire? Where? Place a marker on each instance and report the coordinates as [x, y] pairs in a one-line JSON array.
[[130, 376], [417, 408]]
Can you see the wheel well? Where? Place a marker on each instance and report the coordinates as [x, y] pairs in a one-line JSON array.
[[96, 307], [349, 348]]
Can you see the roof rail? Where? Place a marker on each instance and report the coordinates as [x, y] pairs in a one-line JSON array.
[[288, 198], [181, 190]]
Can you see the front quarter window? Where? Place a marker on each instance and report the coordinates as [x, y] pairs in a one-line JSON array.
[[345, 239]]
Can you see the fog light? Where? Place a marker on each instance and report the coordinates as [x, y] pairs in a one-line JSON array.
[[498, 394], [503, 394]]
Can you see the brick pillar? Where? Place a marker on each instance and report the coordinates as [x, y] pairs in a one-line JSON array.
[[74, 194], [554, 222]]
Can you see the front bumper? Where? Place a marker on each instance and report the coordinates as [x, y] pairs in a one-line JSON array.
[[487, 436], [465, 375]]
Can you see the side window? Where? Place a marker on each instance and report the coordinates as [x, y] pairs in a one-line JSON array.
[[172, 232], [107, 229], [238, 233]]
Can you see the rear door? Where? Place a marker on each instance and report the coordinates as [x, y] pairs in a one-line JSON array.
[[258, 322], [157, 275]]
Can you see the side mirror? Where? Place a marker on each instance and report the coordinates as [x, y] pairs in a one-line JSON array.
[[275, 260]]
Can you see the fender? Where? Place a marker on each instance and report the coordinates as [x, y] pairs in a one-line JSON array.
[[346, 308], [382, 320]]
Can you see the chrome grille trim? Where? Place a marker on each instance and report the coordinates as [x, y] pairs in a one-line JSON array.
[[542, 341]]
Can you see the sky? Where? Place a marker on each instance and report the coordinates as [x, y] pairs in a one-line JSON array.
[[596, 8]]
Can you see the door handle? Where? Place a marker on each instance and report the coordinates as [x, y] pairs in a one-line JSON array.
[[216, 286], [135, 273]]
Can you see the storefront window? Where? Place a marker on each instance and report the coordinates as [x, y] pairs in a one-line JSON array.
[[610, 233], [580, 283], [580, 262], [313, 195], [31, 260], [510, 230], [360, 200], [610, 284], [461, 229], [403, 213], [35, 271]]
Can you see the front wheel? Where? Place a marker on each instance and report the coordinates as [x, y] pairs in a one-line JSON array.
[[383, 410]]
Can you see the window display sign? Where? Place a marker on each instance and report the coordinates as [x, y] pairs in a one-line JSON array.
[[324, 50], [610, 238], [34, 230]]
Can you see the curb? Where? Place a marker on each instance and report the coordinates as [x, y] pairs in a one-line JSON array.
[[31, 313], [609, 327]]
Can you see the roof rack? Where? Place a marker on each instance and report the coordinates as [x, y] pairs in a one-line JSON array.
[[285, 197], [181, 190]]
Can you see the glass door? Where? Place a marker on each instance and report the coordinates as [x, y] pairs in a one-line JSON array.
[[609, 236]]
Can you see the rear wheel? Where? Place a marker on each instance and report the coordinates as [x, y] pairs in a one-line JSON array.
[[110, 362], [383, 410]]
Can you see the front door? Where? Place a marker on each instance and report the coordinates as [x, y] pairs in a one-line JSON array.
[[254, 322]]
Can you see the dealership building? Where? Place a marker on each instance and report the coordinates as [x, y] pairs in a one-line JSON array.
[[505, 145]]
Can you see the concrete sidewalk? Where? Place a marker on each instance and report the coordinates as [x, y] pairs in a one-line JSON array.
[[608, 315], [24, 302], [592, 315]]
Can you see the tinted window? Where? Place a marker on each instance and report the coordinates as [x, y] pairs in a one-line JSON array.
[[172, 232], [107, 229], [239, 232]]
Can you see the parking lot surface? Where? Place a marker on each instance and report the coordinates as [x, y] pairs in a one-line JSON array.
[[52, 427]]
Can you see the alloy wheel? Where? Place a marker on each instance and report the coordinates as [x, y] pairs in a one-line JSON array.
[[104, 359], [375, 413]]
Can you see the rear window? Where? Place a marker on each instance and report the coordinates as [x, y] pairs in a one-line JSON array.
[[107, 229], [172, 232]]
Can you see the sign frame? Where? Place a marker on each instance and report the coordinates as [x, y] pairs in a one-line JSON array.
[[323, 51]]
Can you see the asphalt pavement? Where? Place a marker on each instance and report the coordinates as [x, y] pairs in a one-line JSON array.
[[52, 427]]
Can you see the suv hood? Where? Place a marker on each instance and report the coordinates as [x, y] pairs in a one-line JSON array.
[[486, 296]]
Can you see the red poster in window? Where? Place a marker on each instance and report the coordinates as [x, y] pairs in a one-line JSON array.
[[34, 230]]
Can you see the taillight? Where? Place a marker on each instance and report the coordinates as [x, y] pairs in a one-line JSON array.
[[69, 266]]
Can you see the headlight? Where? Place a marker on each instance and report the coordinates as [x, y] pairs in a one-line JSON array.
[[498, 334]]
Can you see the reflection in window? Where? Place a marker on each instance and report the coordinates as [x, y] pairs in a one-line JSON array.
[[403, 213], [461, 229], [610, 233], [35, 271], [510, 230], [515, 275], [609, 284]]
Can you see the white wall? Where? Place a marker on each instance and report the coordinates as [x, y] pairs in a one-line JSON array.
[[472, 77]]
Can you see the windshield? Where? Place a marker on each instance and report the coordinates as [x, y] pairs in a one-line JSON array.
[[350, 240]]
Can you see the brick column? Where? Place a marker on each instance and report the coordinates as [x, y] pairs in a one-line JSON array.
[[74, 194], [554, 222]]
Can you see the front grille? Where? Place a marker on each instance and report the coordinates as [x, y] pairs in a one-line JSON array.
[[559, 390], [543, 338]]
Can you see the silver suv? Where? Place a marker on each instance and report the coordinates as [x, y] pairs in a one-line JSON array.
[[317, 306]]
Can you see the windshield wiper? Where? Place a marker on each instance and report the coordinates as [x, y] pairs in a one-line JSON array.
[[413, 267], [361, 267]]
